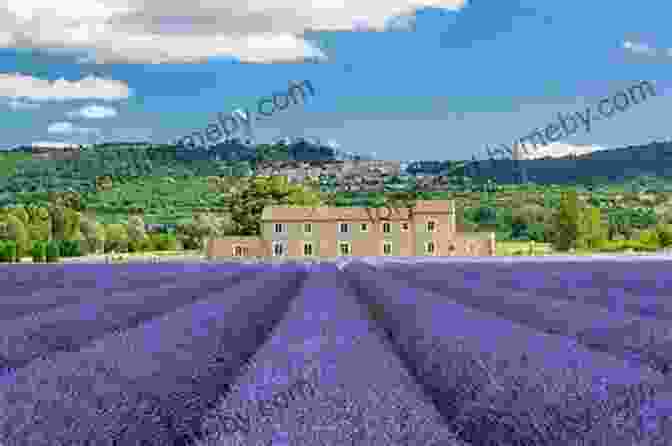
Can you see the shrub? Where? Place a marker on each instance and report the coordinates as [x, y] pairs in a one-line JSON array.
[[10, 247], [70, 248], [3, 252], [14, 229], [163, 242], [39, 251], [116, 238], [664, 235], [53, 251]]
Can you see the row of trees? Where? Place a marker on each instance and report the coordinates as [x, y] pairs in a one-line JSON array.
[[582, 227], [37, 231]]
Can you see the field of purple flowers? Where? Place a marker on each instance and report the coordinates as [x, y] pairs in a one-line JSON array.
[[398, 353]]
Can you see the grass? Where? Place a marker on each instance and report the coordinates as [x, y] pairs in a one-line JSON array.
[[523, 248]]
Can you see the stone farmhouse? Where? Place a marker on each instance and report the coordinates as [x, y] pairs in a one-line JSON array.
[[427, 229]]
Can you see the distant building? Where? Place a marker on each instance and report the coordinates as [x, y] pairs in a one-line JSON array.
[[429, 229], [56, 153]]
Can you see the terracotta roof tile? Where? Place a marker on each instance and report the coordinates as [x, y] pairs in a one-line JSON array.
[[323, 213]]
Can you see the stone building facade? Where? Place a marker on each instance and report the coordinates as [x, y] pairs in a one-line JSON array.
[[427, 229]]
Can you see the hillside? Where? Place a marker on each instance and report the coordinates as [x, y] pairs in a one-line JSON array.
[[599, 167]]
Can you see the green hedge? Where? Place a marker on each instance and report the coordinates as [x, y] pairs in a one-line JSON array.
[[70, 248], [8, 252], [39, 251], [12, 252], [53, 251]]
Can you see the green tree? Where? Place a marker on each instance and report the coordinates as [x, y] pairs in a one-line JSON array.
[[39, 251], [53, 251], [592, 233], [58, 223], [664, 233], [136, 233], [567, 221], [649, 238], [116, 238], [21, 213], [93, 233], [11, 228], [248, 203]]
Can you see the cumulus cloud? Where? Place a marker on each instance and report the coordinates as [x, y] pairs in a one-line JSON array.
[[93, 112], [67, 128], [156, 31], [17, 85], [639, 48]]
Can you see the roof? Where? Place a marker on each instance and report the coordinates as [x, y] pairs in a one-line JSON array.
[[324, 213]]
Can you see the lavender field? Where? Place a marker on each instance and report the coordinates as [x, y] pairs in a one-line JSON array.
[[384, 352]]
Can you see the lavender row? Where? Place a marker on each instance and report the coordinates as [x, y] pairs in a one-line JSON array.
[[23, 280], [643, 278], [615, 331], [487, 371], [618, 299], [148, 385], [325, 378], [12, 307], [70, 327]]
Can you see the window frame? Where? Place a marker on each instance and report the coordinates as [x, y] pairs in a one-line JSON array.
[[364, 227], [235, 248], [340, 251], [405, 226], [283, 228], [305, 245], [279, 243], [341, 225], [309, 225], [387, 243], [389, 227], [427, 243], [433, 222]]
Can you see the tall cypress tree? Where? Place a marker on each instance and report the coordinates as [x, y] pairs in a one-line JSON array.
[[567, 221]]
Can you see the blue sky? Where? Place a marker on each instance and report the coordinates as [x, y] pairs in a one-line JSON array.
[[439, 82]]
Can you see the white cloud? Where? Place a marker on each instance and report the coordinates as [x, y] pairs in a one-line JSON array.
[[639, 48], [93, 112], [67, 128], [155, 31], [17, 85]]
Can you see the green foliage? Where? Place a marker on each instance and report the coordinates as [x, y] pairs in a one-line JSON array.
[[136, 229], [248, 203], [664, 233], [11, 228], [593, 234], [116, 238], [4, 252], [163, 242], [649, 238], [567, 222], [92, 234], [53, 252], [70, 248], [39, 251], [10, 248]]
